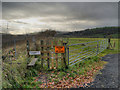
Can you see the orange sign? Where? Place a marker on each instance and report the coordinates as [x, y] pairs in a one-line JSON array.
[[59, 49]]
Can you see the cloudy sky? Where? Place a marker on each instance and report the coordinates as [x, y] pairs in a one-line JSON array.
[[21, 18]]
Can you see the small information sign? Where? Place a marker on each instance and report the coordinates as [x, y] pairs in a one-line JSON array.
[[34, 53]]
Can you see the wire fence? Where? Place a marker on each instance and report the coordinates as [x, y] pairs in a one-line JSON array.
[[82, 51], [12, 49]]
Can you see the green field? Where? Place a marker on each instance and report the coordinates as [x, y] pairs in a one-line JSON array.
[[14, 74]]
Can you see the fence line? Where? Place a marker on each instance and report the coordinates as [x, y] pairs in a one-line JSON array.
[[73, 53]]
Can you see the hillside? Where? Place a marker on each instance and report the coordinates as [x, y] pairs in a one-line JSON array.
[[9, 37], [95, 32]]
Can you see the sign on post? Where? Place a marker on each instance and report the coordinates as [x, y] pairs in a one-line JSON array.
[[34, 52], [59, 49]]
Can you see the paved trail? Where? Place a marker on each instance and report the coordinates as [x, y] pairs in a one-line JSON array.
[[109, 76]]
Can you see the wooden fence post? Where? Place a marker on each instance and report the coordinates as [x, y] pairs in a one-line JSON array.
[[28, 48], [64, 58], [56, 55], [52, 54], [109, 42], [42, 54], [68, 54], [113, 44], [48, 49], [15, 47]]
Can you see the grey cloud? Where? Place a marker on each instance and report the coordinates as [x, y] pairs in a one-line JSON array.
[[23, 10], [103, 13], [81, 10], [20, 22]]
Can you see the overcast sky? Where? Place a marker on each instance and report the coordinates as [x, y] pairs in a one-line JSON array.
[[62, 16]]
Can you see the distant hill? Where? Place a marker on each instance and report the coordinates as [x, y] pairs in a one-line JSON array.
[[9, 37], [94, 33], [91, 33]]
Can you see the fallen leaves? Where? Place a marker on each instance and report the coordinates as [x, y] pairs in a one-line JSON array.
[[69, 81]]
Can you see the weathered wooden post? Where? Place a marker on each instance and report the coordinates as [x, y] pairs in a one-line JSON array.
[[64, 58], [48, 49], [68, 50], [42, 54], [109, 42], [52, 54], [28, 48], [113, 44], [56, 55], [15, 47], [68, 53]]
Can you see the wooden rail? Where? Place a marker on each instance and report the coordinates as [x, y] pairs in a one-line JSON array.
[[47, 53]]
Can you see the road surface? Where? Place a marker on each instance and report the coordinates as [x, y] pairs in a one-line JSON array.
[[109, 75]]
